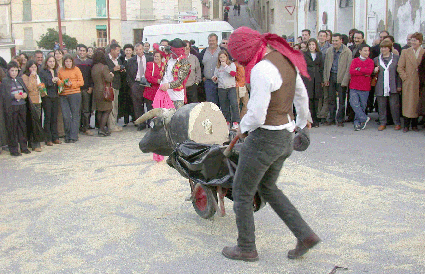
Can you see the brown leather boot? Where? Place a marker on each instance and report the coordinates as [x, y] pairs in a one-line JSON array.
[[303, 246], [235, 253]]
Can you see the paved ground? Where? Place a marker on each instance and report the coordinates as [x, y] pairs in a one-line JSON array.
[[101, 206]]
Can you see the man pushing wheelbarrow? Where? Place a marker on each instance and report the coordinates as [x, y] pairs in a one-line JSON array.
[[273, 69]]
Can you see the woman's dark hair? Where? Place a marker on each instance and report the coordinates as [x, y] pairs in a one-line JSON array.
[[29, 64], [61, 51], [99, 57], [128, 46], [345, 39], [45, 66], [25, 55], [66, 57], [312, 40]]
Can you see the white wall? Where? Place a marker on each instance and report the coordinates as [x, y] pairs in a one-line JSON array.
[[329, 8], [408, 20]]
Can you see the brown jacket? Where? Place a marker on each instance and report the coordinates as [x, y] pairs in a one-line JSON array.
[[344, 62], [408, 71], [101, 76], [31, 83]]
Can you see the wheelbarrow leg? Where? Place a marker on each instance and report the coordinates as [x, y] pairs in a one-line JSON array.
[[221, 195], [192, 191]]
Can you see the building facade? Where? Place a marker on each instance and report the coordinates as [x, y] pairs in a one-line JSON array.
[[85, 20], [141, 13], [399, 17], [7, 45]]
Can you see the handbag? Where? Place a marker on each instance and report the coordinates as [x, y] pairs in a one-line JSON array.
[[108, 92], [242, 91], [374, 79]]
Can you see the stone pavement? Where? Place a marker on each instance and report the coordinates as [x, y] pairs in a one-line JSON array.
[[244, 19], [102, 206]]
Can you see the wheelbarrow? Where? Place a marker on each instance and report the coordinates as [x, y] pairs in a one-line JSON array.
[[210, 170]]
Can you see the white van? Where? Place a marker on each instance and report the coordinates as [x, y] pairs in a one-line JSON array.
[[198, 31]]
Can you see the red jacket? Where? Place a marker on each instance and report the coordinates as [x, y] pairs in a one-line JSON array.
[[360, 71], [152, 78]]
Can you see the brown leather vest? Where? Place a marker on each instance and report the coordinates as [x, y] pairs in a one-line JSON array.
[[281, 102]]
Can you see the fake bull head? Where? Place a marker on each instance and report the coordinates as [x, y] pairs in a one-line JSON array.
[[199, 122], [155, 139]]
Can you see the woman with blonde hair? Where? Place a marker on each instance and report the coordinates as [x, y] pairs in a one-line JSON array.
[[224, 75]]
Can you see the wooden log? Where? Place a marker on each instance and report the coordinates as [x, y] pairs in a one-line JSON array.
[[200, 122]]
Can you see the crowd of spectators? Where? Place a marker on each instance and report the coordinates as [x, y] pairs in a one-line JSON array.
[[350, 79], [47, 100]]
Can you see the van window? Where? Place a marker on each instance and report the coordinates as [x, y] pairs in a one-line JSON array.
[[225, 35]]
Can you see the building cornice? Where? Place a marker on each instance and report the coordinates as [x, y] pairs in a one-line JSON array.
[[65, 20]]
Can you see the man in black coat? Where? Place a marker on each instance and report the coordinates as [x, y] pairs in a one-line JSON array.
[[115, 66], [136, 67]]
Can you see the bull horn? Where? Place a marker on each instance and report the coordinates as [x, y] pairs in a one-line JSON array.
[[156, 112], [168, 113]]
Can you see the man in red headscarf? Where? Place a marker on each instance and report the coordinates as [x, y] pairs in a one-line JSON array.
[[273, 68]]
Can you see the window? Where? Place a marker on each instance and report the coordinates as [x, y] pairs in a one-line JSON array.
[[272, 16], [345, 3], [63, 29], [138, 35], [102, 36], [62, 7], [146, 9], [313, 3], [26, 10], [185, 5], [100, 8]]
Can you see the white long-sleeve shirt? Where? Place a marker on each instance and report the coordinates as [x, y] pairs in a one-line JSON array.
[[265, 79]]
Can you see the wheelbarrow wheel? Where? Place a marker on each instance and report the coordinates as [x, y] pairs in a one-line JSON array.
[[203, 201]]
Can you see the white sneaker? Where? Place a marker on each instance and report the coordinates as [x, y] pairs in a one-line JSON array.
[[235, 125]]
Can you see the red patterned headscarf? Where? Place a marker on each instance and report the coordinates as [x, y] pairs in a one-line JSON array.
[[248, 47]]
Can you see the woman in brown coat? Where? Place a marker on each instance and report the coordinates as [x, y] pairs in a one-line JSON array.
[[408, 71], [101, 76], [32, 81]]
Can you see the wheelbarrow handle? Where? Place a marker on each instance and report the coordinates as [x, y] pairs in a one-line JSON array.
[[229, 148]]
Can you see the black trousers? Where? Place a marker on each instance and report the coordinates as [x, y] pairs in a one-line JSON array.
[[314, 107], [16, 127], [85, 110], [410, 121], [336, 92], [51, 108], [138, 99], [192, 94], [260, 162]]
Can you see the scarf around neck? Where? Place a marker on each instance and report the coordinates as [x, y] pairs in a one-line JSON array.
[[386, 73]]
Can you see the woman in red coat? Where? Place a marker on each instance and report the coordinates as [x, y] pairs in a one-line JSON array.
[[153, 73]]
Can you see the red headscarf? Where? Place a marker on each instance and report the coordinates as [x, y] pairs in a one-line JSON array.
[[248, 47]]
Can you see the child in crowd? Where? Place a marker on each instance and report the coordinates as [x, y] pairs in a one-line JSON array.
[[224, 75], [361, 70]]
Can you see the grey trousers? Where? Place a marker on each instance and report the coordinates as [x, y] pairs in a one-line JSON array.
[[112, 120], [394, 101], [260, 161]]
